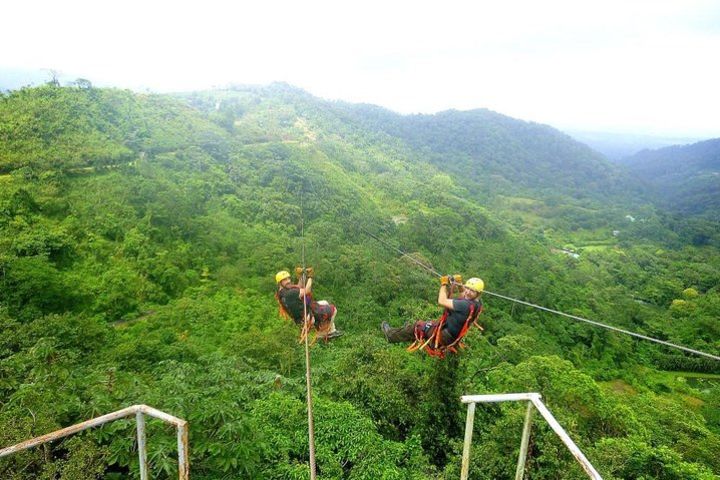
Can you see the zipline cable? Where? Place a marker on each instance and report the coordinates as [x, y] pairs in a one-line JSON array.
[[539, 307], [609, 327], [557, 312], [306, 327], [409, 257]]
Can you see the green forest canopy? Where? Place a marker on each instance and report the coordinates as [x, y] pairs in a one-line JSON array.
[[139, 239]]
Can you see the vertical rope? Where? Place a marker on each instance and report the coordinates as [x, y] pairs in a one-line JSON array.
[[311, 424]]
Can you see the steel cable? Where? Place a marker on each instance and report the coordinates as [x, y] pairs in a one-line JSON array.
[[539, 307]]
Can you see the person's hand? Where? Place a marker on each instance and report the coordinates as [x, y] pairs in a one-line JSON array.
[[445, 280], [298, 271], [457, 278], [310, 272]]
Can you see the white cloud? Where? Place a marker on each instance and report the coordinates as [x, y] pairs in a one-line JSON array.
[[647, 66]]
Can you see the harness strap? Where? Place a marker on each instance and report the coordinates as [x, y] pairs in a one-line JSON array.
[[438, 329], [282, 311]]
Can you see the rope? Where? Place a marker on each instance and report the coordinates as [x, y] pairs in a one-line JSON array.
[[409, 257], [311, 424]]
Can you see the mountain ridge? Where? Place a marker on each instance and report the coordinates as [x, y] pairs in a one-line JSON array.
[[685, 178]]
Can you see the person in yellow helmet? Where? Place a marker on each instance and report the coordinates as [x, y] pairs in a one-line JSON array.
[[290, 298], [459, 313]]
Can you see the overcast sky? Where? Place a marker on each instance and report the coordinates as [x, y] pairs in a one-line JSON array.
[[650, 67]]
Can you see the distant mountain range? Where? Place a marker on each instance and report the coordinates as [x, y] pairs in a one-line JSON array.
[[684, 178], [492, 155], [616, 146], [503, 154]]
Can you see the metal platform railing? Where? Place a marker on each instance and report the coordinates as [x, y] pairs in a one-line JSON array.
[[533, 399], [139, 411]]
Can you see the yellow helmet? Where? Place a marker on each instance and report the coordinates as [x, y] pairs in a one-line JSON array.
[[475, 284], [281, 275]]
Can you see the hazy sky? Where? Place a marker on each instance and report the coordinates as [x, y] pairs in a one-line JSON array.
[[648, 67]]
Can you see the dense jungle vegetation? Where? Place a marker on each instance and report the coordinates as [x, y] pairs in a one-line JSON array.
[[139, 237]]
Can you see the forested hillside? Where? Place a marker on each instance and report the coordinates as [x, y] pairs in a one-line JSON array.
[[498, 153], [139, 238], [684, 178]]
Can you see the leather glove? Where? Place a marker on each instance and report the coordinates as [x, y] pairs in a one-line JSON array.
[[445, 280], [298, 272], [309, 272], [457, 278]]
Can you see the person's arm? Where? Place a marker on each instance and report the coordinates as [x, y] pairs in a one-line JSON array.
[[443, 299]]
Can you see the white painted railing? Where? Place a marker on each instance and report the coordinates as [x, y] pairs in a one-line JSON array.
[[139, 411], [533, 399]]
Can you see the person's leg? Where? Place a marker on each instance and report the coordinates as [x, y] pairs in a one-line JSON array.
[[332, 321], [406, 333], [446, 338], [332, 318], [327, 328]]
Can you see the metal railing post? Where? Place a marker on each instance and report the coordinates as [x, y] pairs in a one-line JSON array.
[[139, 411], [468, 440], [574, 450], [534, 401], [183, 453], [141, 442], [522, 456]]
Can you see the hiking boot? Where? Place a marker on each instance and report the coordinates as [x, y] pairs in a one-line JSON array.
[[385, 327]]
